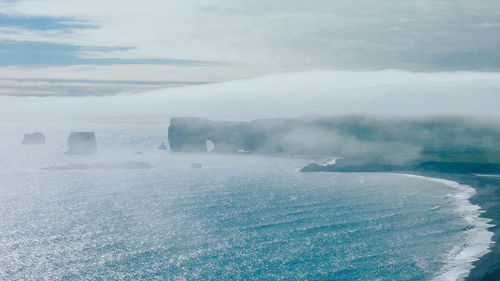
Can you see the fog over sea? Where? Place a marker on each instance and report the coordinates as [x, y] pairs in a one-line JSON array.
[[250, 140], [393, 93], [239, 217]]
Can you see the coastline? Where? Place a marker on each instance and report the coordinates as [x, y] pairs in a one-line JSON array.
[[487, 196], [483, 179], [480, 195], [462, 259]]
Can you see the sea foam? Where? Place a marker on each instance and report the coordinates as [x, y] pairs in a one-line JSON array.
[[461, 258]]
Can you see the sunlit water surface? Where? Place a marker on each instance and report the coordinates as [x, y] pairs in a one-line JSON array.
[[237, 218]]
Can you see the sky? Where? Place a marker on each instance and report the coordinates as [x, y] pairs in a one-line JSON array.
[[80, 48]]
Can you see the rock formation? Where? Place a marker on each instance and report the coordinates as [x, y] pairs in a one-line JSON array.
[[366, 144], [82, 143], [162, 146], [190, 134], [34, 138]]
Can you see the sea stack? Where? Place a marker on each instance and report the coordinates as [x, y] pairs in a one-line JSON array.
[[162, 146], [34, 138], [82, 143]]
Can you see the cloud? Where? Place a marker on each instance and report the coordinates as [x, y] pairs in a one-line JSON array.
[[38, 53], [382, 93], [80, 87], [417, 35], [42, 23], [156, 76], [231, 39]]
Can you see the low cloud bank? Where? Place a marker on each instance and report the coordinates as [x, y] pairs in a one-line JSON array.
[[386, 93]]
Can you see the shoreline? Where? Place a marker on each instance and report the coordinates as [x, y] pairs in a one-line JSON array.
[[483, 179], [482, 196], [480, 239], [487, 196]]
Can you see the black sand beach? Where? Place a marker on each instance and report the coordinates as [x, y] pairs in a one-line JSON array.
[[487, 268], [488, 197]]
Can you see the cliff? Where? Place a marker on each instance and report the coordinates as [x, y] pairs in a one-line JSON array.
[[365, 143], [190, 134]]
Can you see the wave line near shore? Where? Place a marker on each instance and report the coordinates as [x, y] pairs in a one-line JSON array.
[[461, 260]]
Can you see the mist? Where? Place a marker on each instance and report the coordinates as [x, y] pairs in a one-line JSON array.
[[388, 116], [249, 140], [357, 139], [390, 93]]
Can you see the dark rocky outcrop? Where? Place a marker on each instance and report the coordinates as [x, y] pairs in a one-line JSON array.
[[82, 143], [162, 146], [365, 143], [34, 138], [427, 166], [190, 134]]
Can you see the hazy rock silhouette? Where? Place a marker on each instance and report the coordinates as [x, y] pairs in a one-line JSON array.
[[34, 138], [162, 146], [359, 140], [82, 143], [191, 134]]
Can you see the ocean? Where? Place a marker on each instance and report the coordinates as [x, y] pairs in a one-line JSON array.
[[239, 217]]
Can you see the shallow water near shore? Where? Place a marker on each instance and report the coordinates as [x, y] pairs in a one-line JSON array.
[[238, 217]]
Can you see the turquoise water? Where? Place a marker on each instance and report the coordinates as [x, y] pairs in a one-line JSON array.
[[238, 218]]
